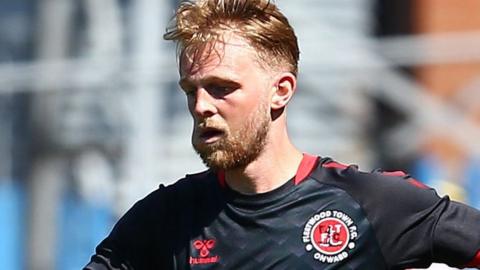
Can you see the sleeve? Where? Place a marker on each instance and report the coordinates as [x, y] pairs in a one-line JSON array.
[[456, 239], [414, 226], [130, 245]]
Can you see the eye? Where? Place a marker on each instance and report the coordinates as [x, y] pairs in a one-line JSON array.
[[219, 90], [188, 90]]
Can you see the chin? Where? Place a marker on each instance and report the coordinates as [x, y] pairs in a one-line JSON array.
[[217, 160]]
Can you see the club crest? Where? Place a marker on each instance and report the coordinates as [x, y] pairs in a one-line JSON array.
[[330, 235]]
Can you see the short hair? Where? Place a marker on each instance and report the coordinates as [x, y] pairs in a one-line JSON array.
[[198, 23]]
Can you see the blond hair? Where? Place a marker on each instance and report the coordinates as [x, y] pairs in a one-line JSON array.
[[201, 23]]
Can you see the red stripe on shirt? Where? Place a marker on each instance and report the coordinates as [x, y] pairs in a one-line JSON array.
[[475, 262], [418, 183], [335, 165], [412, 181], [221, 179], [395, 173], [306, 166]]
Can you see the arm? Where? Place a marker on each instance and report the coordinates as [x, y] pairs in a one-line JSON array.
[[427, 228], [131, 242], [413, 225], [457, 236]]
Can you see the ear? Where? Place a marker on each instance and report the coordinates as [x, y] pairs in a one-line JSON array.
[[283, 90]]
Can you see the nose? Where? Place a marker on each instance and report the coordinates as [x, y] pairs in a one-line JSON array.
[[202, 104]]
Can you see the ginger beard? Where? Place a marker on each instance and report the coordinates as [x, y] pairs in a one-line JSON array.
[[237, 147]]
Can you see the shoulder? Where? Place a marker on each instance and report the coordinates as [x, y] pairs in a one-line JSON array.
[[196, 178], [187, 191], [146, 233], [376, 186], [167, 195], [336, 173], [157, 209], [191, 182]]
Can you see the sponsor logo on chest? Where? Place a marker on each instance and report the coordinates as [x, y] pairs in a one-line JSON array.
[[330, 236]]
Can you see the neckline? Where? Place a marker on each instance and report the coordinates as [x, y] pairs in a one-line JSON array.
[[308, 163], [259, 200]]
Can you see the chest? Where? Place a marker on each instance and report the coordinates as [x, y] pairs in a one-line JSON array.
[[324, 229]]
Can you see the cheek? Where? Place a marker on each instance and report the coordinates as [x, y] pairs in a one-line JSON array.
[[238, 116]]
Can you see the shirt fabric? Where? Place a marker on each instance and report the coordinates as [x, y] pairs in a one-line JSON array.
[[330, 216]]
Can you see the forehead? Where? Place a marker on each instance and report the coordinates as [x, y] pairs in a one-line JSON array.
[[229, 54]]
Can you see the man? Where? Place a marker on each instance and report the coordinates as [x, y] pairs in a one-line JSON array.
[[263, 204]]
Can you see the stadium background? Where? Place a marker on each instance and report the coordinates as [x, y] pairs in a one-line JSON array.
[[91, 119]]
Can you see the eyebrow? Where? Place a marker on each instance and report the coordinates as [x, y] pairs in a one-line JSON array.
[[207, 80]]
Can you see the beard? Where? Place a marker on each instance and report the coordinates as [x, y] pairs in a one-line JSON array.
[[237, 148]]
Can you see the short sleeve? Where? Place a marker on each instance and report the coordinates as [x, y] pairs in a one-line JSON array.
[[130, 244], [414, 227], [456, 239]]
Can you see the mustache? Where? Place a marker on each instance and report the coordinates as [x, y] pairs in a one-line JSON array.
[[209, 123]]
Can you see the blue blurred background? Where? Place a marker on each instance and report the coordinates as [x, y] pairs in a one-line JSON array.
[[91, 119]]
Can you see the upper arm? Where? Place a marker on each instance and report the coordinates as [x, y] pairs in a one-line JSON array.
[[413, 225], [130, 244], [456, 239]]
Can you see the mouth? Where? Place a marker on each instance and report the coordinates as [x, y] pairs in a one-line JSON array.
[[210, 135]]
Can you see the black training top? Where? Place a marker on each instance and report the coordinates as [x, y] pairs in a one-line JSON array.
[[329, 216]]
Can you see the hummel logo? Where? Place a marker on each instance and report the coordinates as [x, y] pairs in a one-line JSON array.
[[203, 247]]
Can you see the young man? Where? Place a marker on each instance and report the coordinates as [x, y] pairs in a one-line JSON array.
[[263, 204]]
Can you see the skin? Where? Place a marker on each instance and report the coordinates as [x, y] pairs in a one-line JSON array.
[[227, 87]]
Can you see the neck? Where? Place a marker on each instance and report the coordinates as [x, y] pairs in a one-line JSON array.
[[276, 164]]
